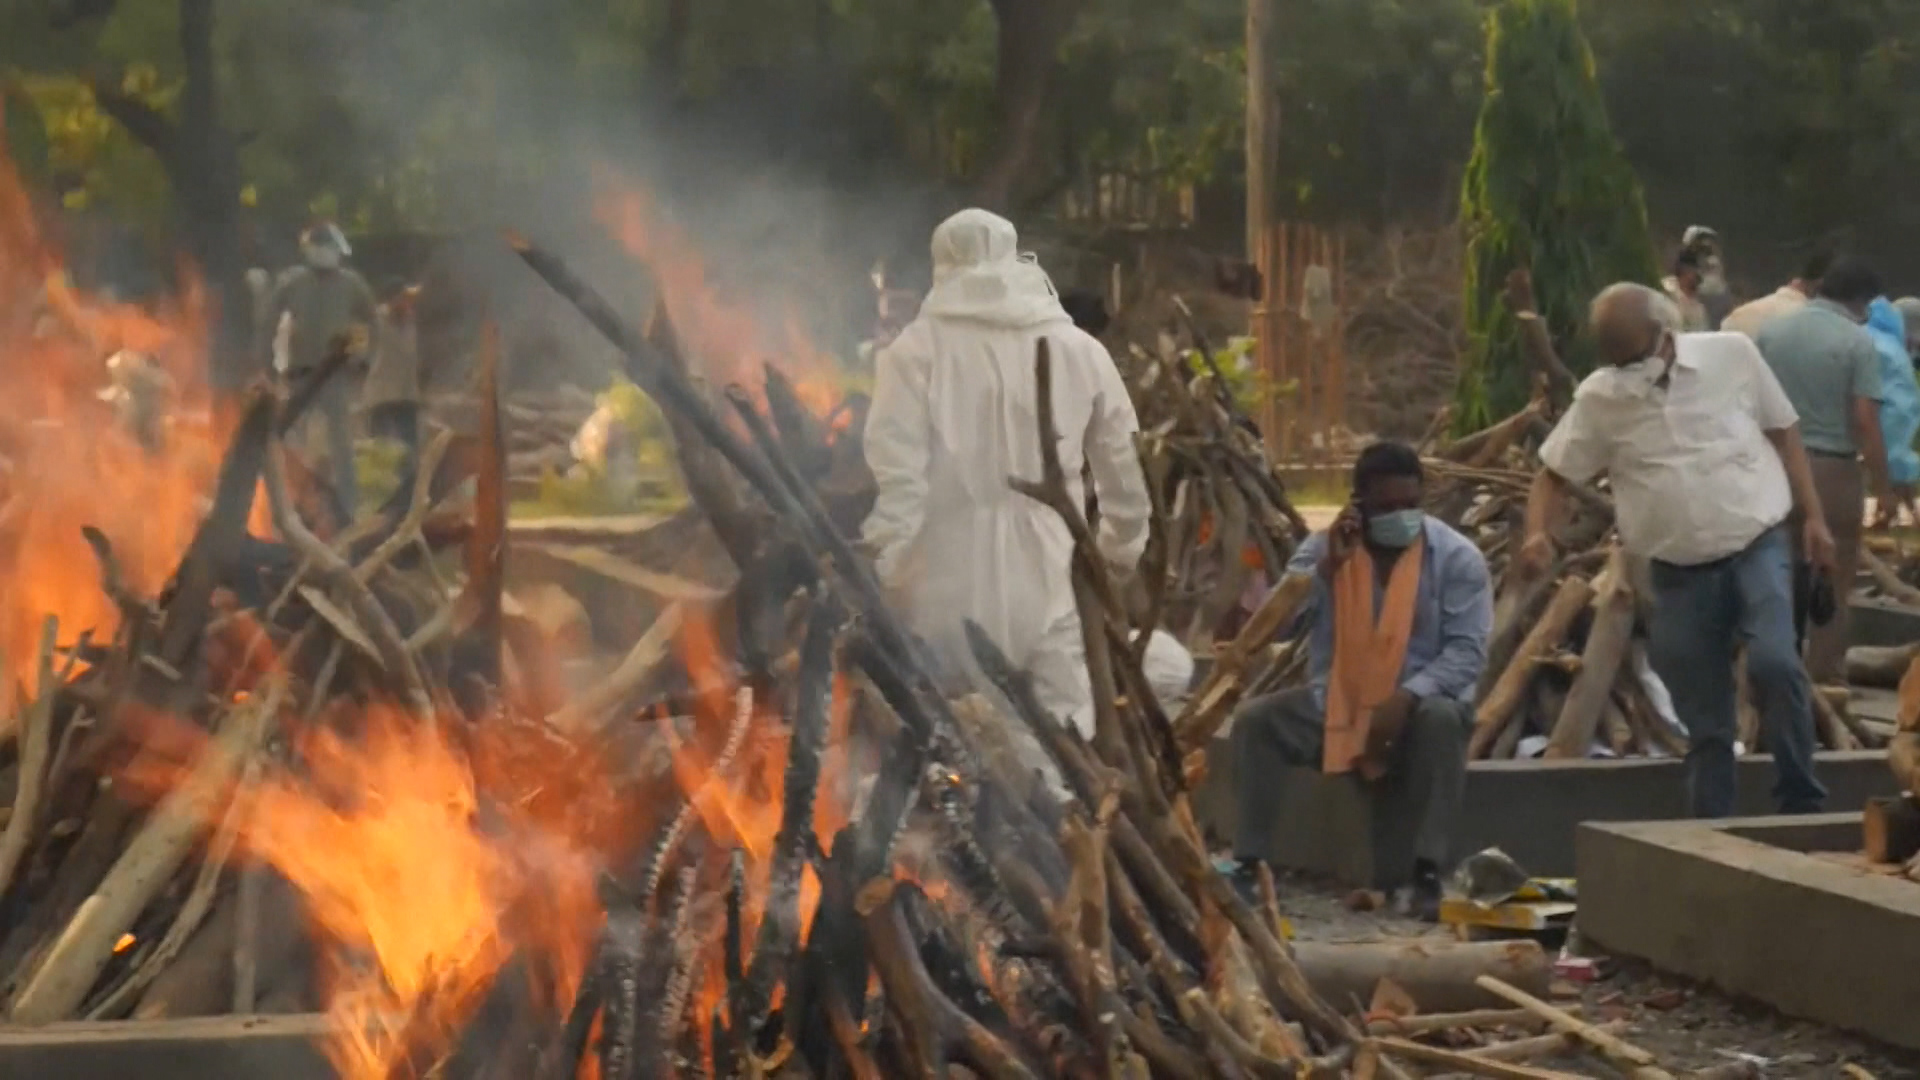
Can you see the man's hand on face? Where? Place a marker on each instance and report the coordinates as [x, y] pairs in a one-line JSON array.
[[1344, 537], [1818, 544]]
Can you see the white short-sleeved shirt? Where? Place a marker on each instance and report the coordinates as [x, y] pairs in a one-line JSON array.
[[1694, 477]]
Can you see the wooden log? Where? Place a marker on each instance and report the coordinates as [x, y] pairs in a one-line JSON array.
[[592, 708], [1455, 1061], [1439, 975], [1426, 1023], [36, 741], [1879, 665], [1833, 731], [1903, 757], [1629, 1059], [1890, 829], [63, 978], [1539, 1046], [1210, 707], [199, 980], [1616, 723], [1841, 699], [935, 1030], [1515, 610], [1600, 662], [1884, 576], [1509, 690]]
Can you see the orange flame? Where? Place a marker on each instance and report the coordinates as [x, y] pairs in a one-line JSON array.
[[67, 460], [731, 342], [430, 853]]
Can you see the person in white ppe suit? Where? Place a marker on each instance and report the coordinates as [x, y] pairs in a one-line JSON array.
[[954, 416]]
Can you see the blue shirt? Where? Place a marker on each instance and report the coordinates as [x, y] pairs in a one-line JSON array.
[[1452, 616], [1899, 395]]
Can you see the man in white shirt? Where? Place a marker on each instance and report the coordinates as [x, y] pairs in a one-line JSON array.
[[1706, 463], [1749, 317]]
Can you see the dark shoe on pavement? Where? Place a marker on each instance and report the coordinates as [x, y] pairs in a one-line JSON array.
[[1423, 896]]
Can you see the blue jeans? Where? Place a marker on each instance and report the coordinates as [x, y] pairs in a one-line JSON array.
[[1701, 613]]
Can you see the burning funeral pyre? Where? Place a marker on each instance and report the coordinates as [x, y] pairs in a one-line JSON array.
[[262, 750]]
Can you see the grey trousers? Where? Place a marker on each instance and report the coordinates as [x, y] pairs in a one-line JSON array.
[[1427, 777], [327, 431]]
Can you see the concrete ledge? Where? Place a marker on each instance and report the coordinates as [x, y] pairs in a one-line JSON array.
[[1882, 622], [1529, 809], [1814, 939], [213, 1048]]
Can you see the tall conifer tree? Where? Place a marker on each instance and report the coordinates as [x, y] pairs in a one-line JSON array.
[[1547, 188]]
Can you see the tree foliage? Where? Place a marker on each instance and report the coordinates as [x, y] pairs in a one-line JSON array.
[[1547, 188]]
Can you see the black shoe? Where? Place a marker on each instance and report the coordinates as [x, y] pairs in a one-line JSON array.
[[1423, 895]]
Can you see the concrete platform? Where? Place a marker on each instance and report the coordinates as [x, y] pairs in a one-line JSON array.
[[1529, 809], [1882, 622], [215, 1048], [1741, 905]]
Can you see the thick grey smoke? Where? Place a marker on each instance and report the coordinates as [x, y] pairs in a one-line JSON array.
[[497, 111]]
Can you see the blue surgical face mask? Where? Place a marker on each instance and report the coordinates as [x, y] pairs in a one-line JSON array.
[[1396, 529]]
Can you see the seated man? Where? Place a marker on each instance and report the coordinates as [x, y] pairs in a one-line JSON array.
[[1401, 609]]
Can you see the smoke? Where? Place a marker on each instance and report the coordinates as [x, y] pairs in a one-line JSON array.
[[473, 116]]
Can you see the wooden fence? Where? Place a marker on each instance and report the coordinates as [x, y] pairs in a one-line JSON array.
[[1299, 344]]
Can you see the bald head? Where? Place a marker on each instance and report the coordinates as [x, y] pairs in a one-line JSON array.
[[1631, 321]]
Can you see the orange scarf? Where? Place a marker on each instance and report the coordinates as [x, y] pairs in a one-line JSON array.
[[1369, 649]]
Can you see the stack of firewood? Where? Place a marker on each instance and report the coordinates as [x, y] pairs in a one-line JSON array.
[[1222, 512], [1567, 673]]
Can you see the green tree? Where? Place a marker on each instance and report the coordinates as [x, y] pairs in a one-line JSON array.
[[1548, 189]]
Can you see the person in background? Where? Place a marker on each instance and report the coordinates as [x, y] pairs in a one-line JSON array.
[[392, 390], [953, 416], [1749, 317], [1704, 454], [1899, 408], [314, 302], [1909, 309], [1401, 609], [1088, 309], [1715, 295], [1683, 286], [1826, 363]]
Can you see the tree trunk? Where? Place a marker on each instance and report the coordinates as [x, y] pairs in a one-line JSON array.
[[202, 163], [206, 183], [1028, 35], [1439, 975], [1259, 118]]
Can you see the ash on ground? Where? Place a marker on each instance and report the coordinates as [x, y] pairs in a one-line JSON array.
[[1687, 1025]]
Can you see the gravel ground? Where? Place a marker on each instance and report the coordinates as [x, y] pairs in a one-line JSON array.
[[1686, 1025]]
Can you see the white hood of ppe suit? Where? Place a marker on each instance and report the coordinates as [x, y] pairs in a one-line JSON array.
[[955, 414]]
